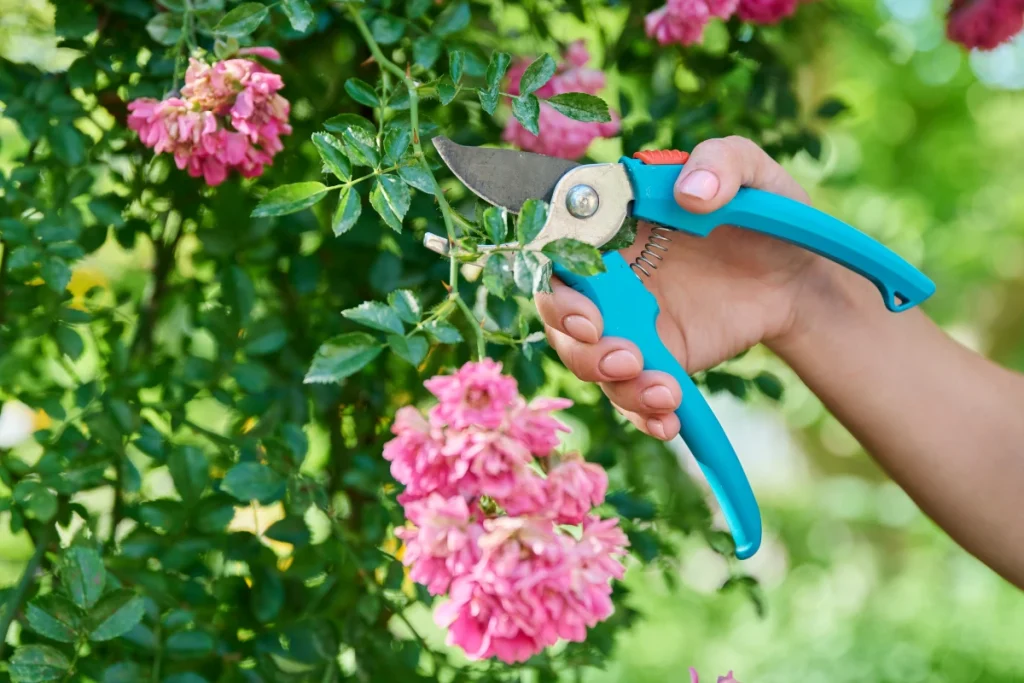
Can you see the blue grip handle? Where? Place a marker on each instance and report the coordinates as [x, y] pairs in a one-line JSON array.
[[631, 312], [902, 286]]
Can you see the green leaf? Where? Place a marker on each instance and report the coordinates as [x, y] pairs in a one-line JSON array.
[[107, 211], [214, 513], [411, 349], [38, 664], [390, 198], [189, 644], [414, 9], [124, 672], [532, 218], [67, 143], [290, 198], [348, 211], [396, 143], [333, 154], [24, 257], [54, 617], [425, 51], [36, 499], [624, 238], [498, 275], [443, 332], [387, 29], [362, 92], [56, 273], [114, 615], [406, 305], [342, 356], [164, 28], [526, 109], [575, 256], [831, 108], [375, 315], [184, 677], [496, 69], [299, 13], [769, 385], [248, 481], [350, 207], [537, 74], [266, 335], [291, 529], [338, 124], [455, 61], [454, 18], [581, 107], [242, 20], [83, 575], [190, 471], [69, 342], [524, 271], [446, 90], [418, 176], [267, 597], [495, 224], [361, 146]]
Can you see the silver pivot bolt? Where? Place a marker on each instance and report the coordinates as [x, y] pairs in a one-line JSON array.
[[582, 201]]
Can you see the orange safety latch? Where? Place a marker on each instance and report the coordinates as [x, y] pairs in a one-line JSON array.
[[662, 157]]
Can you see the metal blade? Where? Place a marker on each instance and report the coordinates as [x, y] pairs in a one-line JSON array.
[[503, 177]]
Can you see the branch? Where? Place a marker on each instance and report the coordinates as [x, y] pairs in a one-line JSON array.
[[14, 602]]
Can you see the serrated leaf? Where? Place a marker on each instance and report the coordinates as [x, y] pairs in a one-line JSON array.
[[575, 256], [624, 237], [290, 198], [532, 218], [524, 271], [248, 481], [411, 349], [350, 207], [496, 68], [537, 74], [495, 223], [342, 356], [114, 615], [289, 530], [38, 664], [416, 175], [387, 29], [164, 28], [362, 92], [446, 90], [83, 575], [376, 315], [242, 20], [338, 124], [455, 62], [443, 332], [581, 107], [54, 617], [266, 335], [190, 471], [299, 13], [396, 143], [452, 19], [390, 198], [333, 154], [56, 273], [361, 146], [425, 51], [526, 109], [36, 499], [498, 275], [406, 305]]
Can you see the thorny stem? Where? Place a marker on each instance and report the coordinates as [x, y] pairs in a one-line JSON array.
[[414, 119], [13, 604]]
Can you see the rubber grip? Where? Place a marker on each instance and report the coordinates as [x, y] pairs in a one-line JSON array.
[[902, 286], [630, 311]]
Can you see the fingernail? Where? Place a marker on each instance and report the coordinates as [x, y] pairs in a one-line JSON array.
[[701, 184], [654, 426], [658, 398], [580, 328], [620, 363]]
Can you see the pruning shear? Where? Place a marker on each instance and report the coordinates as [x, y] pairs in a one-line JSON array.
[[590, 202]]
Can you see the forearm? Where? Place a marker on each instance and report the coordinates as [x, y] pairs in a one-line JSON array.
[[944, 422]]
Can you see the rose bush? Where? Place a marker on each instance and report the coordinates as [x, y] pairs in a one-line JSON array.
[[244, 188]]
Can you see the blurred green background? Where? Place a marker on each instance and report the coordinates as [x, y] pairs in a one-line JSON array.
[[860, 587]]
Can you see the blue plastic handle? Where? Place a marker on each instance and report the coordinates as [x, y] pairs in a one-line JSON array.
[[902, 286], [630, 311]]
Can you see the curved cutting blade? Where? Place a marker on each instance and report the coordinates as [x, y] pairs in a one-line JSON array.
[[503, 177]]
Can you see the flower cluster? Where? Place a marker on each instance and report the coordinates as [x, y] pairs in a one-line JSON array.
[[694, 678], [683, 21], [484, 518], [227, 116], [561, 136], [984, 24]]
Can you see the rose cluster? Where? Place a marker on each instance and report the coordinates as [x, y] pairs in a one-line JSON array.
[[683, 21], [984, 24], [486, 499], [228, 116], [561, 136]]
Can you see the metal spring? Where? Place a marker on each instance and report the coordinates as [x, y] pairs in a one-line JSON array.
[[658, 241]]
